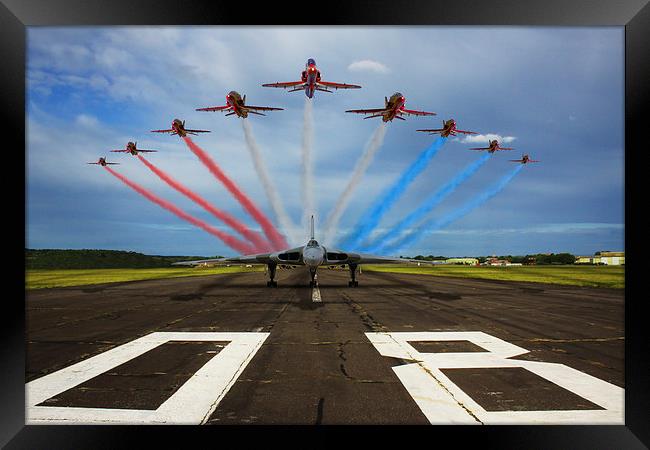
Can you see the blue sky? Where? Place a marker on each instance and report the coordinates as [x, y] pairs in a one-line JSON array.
[[556, 93]]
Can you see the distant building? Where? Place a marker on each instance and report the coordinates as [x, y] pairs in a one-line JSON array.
[[606, 258]]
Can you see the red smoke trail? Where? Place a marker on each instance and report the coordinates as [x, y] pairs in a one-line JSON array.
[[260, 244], [269, 230], [229, 240]]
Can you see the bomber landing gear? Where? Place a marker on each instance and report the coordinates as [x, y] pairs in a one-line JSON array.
[[314, 279], [272, 282], [353, 275]]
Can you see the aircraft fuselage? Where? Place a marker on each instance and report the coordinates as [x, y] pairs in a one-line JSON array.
[[235, 100], [310, 76], [393, 105]]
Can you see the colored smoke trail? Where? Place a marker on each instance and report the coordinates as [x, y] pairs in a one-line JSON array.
[[272, 194], [270, 231], [228, 239], [260, 244], [307, 181], [371, 218], [456, 214], [359, 170], [428, 205]]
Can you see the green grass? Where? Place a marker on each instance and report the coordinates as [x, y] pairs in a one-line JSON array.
[[50, 278], [594, 276]]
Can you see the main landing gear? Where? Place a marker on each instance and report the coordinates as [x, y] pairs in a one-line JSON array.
[[272, 282], [314, 279], [353, 275]]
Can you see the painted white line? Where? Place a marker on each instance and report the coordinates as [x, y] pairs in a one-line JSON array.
[[315, 295], [192, 403], [442, 401]]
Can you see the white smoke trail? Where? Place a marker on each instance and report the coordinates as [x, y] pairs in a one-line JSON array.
[[359, 170], [307, 165], [281, 215]]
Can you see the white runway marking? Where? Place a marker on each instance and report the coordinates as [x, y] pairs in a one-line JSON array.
[[192, 403], [443, 402], [315, 295]]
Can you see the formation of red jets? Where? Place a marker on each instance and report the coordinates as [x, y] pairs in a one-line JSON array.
[[310, 82]]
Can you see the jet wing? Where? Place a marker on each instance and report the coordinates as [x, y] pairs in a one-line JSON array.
[[262, 108], [415, 113], [479, 148], [367, 111], [432, 131], [144, 151], [193, 131], [283, 85], [505, 148], [122, 151], [163, 131], [215, 108], [338, 85], [464, 132]]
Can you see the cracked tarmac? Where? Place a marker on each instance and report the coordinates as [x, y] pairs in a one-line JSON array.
[[317, 366]]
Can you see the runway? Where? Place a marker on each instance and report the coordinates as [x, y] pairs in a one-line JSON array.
[[398, 349]]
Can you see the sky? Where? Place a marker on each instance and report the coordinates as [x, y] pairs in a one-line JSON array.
[[555, 93]]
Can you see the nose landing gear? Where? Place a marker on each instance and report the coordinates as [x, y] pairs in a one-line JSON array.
[[353, 275], [314, 279]]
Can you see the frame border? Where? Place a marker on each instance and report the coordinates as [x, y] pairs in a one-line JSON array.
[[634, 15]]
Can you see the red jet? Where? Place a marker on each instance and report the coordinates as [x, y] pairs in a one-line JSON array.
[[448, 128], [494, 146], [311, 82], [131, 147], [524, 160], [394, 108], [178, 127], [102, 162], [237, 105]]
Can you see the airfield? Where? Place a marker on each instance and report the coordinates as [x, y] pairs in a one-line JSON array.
[[399, 349]]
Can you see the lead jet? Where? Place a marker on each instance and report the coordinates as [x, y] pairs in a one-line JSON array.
[[131, 147], [448, 128], [236, 104], [524, 160], [312, 255], [393, 108], [493, 147], [103, 162], [178, 127], [310, 82]]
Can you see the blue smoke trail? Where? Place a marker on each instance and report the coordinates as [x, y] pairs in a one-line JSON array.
[[427, 206], [370, 219], [456, 214]]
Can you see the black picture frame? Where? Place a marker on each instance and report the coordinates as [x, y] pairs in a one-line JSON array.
[[634, 15]]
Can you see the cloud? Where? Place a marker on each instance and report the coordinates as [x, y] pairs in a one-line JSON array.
[[86, 120], [484, 138], [368, 65]]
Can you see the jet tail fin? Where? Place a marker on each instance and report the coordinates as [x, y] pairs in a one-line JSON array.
[[312, 227]]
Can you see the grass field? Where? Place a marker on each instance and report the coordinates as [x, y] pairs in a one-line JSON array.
[[47, 278], [594, 276]]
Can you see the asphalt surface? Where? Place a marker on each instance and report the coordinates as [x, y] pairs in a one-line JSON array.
[[317, 366]]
